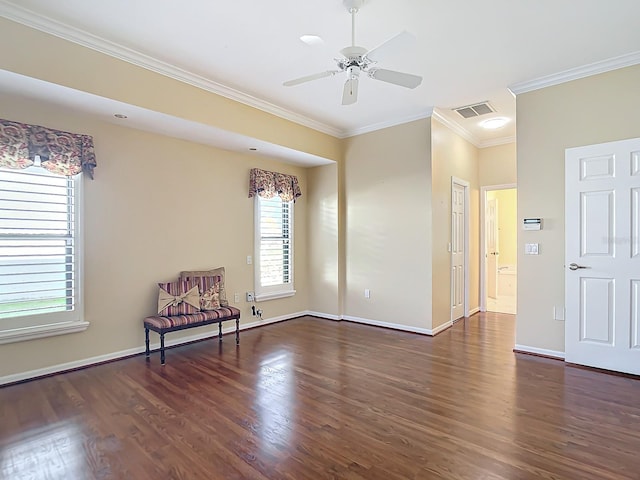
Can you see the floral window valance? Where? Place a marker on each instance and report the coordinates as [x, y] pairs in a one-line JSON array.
[[62, 153], [269, 184]]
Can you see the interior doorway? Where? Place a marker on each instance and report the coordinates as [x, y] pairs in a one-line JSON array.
[[499, 266]]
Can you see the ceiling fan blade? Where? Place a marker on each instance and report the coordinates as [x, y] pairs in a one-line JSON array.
[[397, 78], [398, 43], [310, 78], [350, 94]]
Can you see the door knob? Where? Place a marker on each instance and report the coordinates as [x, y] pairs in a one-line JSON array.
[[575, 266]]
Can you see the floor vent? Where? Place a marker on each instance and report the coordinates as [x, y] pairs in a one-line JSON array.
[[476, 110]]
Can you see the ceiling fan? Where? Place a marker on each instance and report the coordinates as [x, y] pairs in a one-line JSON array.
[[356, 60]]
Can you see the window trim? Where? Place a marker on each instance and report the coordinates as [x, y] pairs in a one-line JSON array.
[[31, 327], [273, 292]]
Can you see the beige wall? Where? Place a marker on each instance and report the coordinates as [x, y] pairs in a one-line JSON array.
[[388, 225], [157, 206], [452, 156], [591, 110], [507, 224], [323, 255], [497, 165], [58, 61]]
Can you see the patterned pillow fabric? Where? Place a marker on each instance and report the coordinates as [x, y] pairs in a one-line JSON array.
[[216, 272], [178, 298], [209, 288]]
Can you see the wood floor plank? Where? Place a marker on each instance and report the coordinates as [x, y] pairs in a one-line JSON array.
[[313, 399]]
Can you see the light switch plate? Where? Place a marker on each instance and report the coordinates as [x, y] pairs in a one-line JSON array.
[[531, 249]]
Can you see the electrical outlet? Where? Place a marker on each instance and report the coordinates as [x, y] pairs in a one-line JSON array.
[[249, 260], [250, 297], [367, 293], [236, 297]]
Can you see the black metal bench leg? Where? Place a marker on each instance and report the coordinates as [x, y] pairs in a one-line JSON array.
[[146, 343], [237, 331], [162, 348], [220, 331]]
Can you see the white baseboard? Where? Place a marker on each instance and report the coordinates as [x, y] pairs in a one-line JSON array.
[[266, 321], [394, 326], [327, 316], [61, 367], [473, 311], [441, 328], [539, 351], [86, 362]]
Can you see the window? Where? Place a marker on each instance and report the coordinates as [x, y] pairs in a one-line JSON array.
[[274, 248], [40, 263]]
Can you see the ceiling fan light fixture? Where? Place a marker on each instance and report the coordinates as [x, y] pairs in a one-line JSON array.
[[312, 40], [494, 123]]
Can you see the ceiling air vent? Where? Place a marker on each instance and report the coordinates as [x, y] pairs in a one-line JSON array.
[[476, 110]]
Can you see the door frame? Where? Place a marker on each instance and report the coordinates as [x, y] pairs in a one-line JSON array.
[[467, 224], [483, 242]]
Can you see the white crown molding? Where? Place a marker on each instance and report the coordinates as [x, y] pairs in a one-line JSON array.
[[468, 136], [463, 132], [392, 123], [66, 32], [614, 63], [494, 142]]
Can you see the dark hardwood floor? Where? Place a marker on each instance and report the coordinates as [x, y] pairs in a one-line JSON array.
[[313, 399]]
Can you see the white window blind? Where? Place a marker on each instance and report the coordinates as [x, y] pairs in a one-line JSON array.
[[38, 247], [274, 252]]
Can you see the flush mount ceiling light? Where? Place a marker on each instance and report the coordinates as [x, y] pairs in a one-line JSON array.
[[494, 123], [311, 39]]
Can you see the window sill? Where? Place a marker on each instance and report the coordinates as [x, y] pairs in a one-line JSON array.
[[41, 331], [274, 295]]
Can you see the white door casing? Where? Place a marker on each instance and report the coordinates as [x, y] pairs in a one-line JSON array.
[[602, 255], [484, 228], [492, 253], [459, 249]]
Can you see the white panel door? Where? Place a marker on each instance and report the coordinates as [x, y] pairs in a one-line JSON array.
[[492, 248], [457, 251], [602, 255]]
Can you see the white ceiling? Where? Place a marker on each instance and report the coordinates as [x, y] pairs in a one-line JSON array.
[[468, 51]]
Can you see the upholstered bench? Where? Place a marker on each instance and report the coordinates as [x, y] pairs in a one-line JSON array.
[[173, 323]]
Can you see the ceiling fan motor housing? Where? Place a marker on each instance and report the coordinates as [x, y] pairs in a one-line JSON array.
[[354, 56], [353, 4]]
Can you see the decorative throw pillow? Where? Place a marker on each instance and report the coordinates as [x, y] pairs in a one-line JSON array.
[[178, 298], [209, 288], [216, 272]]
